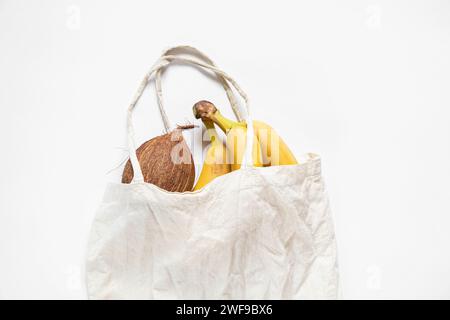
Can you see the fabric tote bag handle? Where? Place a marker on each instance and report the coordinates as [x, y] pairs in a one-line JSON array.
[[188, 50], [164, 61]]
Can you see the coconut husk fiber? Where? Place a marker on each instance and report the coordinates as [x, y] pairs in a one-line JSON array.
[[166, 161]]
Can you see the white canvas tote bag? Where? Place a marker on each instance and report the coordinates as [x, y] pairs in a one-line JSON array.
[[255, 233]]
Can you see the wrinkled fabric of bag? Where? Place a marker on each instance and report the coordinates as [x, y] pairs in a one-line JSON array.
[[255, 233]]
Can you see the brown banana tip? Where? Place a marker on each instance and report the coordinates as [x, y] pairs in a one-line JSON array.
[[203, 108]]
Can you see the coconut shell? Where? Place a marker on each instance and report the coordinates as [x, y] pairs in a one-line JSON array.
[[166, 161]]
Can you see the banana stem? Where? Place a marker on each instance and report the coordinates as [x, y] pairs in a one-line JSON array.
[[207, 111], [224, 124]]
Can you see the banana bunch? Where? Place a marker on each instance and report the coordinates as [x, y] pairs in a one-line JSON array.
[[268, 147]]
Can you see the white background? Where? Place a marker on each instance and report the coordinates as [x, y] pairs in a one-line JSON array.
[[365, 84]]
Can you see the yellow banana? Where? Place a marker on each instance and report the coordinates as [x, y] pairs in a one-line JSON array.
[[274, 150], [236, 143], [215, 163], [268, 147]]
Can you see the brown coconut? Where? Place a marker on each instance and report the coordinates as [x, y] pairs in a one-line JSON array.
[[166, 161]]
